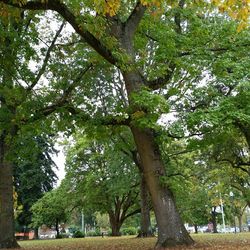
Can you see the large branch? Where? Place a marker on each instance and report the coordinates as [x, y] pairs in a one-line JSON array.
[[161, 81], [103, 121], [46, 59], [64, 11], [63, 99], [215, 50], [134, 19], [177, 17]]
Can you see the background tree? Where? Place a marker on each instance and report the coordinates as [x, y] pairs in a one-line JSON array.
[[51, 210], [33, 174], [19, 105], [100, 176]]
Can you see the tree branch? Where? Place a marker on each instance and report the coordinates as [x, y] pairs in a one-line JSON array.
[[46, 59], [105, 121], [161, 81], [177, 17], [134, 19], [219, 49], [63, 10], [238, 165], [63, 100], [137, 211]]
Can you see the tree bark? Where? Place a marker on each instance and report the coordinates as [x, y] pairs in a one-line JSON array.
[[171, 231], [115, 224], [36, 236], [196, 228], [213, 220], [240, 222], [7, 231], [145, 230], [57, 228]]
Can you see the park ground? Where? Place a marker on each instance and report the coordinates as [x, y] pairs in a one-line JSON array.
[[203, 242]]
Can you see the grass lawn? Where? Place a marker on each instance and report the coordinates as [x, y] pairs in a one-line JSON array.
[[203, 242]]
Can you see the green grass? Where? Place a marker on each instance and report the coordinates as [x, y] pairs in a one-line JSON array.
[[203, 242]]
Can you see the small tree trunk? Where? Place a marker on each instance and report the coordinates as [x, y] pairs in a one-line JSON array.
[[57, 228], [7, 231], [196, 228], [145, 230], [240, 222], [36, 236], [214, 222]]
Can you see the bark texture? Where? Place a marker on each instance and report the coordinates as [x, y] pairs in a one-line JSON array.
[[171, 231], [145, 204], [214, 220], [7, 232], [115, 224], [145, 230]]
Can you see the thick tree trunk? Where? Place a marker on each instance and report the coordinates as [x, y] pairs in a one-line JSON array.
[[171, 231], [145, 230], [7, 232], [115, 225]]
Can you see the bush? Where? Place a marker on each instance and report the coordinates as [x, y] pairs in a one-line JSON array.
[[59, 236], [129, 231], [78, 234], [96, 232]]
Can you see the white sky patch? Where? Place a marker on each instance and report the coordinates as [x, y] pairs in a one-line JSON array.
[[59, 159], [167, 119]]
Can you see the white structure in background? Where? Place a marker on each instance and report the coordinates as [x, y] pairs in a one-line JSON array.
[[222, 213]]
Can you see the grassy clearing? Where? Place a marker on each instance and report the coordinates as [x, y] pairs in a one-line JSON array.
[[203, 242]]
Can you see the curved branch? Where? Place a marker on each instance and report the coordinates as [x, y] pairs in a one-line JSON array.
[[64, 11], [161, 81], [134, 19], [63, 99], [46, 59]]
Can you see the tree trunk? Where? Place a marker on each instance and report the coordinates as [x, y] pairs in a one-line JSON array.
[[7, 231], [214, 222], [57, 228], [240, 222], [36, 236], [246, 132], [145, 230], [171, 231], [196, 228], [115, 225]]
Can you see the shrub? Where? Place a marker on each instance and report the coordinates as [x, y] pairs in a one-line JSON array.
[[59, 236], [129, 231], [78, 234], [96, 232]]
